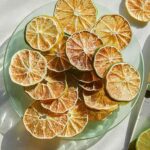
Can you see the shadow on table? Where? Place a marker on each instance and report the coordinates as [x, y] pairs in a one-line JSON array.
[[133, 117]]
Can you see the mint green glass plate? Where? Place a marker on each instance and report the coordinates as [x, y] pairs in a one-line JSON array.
[[20, 100]]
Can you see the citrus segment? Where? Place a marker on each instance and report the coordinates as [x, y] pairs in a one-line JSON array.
[[104, 58], [63, 103], [99, 100], [77, 120], [123, 82], [139, 9], [43, 32], [75, 15], [57, 59], [43, 124], [27, 67], [114, 30]]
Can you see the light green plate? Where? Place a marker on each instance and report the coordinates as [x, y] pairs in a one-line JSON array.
[[20, 100]]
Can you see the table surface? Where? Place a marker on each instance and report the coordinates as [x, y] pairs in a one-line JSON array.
[[13, 11]]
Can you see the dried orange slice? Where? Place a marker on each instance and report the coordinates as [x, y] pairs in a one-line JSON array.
[[80, 48], [63, 103], [139, 9], [27, 67], [114, 30], [104, 58], [77, 120], [75, 15], [43, 124], [43, 32], [123, 82], [99, 100], [57, 59], [53, 87]]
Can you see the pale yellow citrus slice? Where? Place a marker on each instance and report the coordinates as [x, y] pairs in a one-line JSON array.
[[104, 58], [80, 48], [53, 87], [122, 82], [63, 103], [43, 32], [99, 100], [43, 124], [114, 30], [57, 59], [139, 9], [27, 67], [77, 120], [75, 15]]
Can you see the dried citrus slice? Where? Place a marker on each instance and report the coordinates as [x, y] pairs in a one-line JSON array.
[[57, 59], [43, 124], [114, 30], [77, 120], [75, 15], [80, 48], [104, 58], [122, 82], [27, 67], [139, 9], [43, 32], [99, 100], [53, 87], [93, 86]]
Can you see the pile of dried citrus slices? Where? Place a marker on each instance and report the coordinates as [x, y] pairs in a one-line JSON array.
[[74, 71]]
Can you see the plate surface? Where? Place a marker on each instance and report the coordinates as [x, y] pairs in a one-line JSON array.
[[20, 100]]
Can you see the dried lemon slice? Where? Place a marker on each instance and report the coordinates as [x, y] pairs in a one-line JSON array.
[[27, 67], [114, 30], [57, 59], [43, 124], [139, 9], [80, 48], [99, 100], [43, 32], [104, 58], [77, 120], [123, 82], [75, 15]]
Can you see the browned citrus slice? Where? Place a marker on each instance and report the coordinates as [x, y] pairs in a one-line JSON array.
[[80, 48], [93, 86], [57, 59], [104, 58], [27, 67], [63, 103], [53, 87], [123, 82], [43, 124], [75, 15], [99, 100], [139, 9], [77, 120], [114, 30], [43, 32]]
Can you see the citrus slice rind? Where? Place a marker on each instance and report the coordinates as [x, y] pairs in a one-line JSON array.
[[27, 67], [139, 10], [43, 124], [63, 103], [99, 100], [80, 48], [43, 32], [122, 82], [56, 59], [77, 120], [75, 15], [114, 30], [104, 58]]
